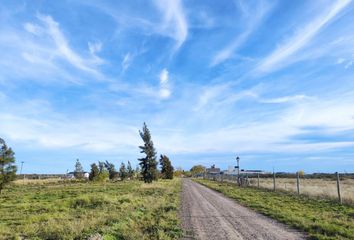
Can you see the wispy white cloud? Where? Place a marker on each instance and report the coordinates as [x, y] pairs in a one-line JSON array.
[[286, 99], [164, 76], [63, 47], [225, 94], [253, 17], [34, 123], [279, 57], [32, 28], [347, 62], [272, 134], [165, 91], [174, 21], [40, 52], [95, 47], [127, 60]]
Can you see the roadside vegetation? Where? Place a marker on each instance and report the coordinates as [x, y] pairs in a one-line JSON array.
[[77, 210], [320, 219], [313, 187], [104, 203]]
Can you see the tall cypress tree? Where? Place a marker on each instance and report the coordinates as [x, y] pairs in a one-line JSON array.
[[148, 163], [122, 171], [166, 167], [7, 167], [130, 170]]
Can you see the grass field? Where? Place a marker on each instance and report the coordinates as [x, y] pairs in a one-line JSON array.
[[324, 188], [321, 219], [58, 210]]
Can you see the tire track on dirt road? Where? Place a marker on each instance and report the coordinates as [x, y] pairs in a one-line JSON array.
[[207, 214]]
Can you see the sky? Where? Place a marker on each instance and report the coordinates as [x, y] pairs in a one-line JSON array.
[[269, 81]]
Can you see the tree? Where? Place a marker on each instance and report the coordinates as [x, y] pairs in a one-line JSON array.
[[101, 166], [137, 172], [130, 170], [98, 172], [148, 163], [111, 170], [301, 173], [94, 172], [79, 171], [197, 170], [179, 172], [166, 167], [122, 171], [7, 167]]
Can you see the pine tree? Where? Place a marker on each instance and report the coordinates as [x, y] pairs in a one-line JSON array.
[[130, 170], [148, 163], [166, 167], [122, 171], [111, 170], [94, 172], [7, 167], [79, 171], [101, 166]]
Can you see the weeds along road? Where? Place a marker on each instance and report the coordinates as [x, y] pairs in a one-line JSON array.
[[207, 214]]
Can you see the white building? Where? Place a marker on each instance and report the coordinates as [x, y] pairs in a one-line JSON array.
[[233, 171], [71, 175]]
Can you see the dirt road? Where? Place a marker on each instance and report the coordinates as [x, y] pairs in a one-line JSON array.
[[207, 214]]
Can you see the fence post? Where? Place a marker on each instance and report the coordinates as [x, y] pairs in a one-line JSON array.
[[258, 180], [338, 188], [298, 182], [274, 181]]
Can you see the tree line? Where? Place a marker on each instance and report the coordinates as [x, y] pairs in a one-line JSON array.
[[148, 170]]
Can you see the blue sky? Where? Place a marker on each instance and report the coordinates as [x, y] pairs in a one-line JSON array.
[[270, 81]]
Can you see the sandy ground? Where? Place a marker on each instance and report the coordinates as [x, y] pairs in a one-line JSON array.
[[207, 214]]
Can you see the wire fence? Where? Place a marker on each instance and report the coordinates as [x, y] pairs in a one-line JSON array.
[[336, 186]]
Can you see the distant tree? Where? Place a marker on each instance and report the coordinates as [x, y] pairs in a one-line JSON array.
[[7, 167], [197, 169], [99, 172], [137, 172], [94, 172], [179, 172], [111, 170], [148, 163], [166, 167], [79, 171], [130, 170], [101, 166], [122, 171]]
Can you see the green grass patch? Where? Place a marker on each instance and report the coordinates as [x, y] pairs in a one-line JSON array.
[[321, 219], [122, 210]]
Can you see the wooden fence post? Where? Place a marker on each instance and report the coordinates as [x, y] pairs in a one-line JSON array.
[[258, 180], [274, 181], [338, 188], [298, 182]]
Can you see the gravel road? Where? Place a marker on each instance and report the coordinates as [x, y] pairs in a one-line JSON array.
[[207, 214]]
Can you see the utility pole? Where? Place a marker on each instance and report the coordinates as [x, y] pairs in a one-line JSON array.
[[21, 167], [21, 170], [238, 169]]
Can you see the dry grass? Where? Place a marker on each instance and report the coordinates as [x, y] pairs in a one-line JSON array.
[[326, 188], [38, 181], [57, 209]]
